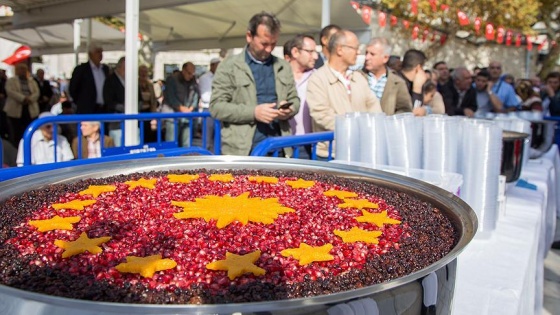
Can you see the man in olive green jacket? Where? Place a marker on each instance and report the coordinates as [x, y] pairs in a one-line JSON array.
[[249, 116]]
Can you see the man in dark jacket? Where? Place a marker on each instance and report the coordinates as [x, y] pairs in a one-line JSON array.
[[113, 98], [86, 84], [46, 91], [460, 98]]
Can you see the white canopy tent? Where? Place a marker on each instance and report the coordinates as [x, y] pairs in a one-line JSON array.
[[170, 25]]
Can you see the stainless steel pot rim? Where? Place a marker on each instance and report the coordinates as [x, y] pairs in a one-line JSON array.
[[513, 135], [463, 216]]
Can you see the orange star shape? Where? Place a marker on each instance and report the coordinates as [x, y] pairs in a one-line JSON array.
[[307, 254], [237, 265], [358, 204], [185, 178], [226, 178], [96, 190], [264, 179], [142, 182], [300, 183], [358, 235], [74, 204], [81, 245], [55, 223], [145, 266], [341, 194], [376, 218]]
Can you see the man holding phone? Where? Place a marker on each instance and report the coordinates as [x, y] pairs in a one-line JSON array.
[[249, 90]]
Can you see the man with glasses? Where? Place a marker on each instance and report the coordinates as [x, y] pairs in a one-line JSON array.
[[301, 53], [42, 146], [250, 89], [383, 82], [504, 91], [181, 95], [333, 90]]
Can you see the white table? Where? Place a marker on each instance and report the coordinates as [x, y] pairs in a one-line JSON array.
[[504, 274]]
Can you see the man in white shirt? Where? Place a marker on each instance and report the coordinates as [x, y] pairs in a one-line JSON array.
[[42, 146], [205, 87]]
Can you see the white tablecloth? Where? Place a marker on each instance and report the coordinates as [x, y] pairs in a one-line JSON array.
[[504, 274]]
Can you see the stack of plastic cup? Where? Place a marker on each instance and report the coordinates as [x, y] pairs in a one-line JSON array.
[[404, 140], [482, 145], [441, 140], [373, 146], [347, 137]]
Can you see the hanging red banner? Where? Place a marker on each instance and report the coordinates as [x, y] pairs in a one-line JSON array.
[[517, 40], [366, 14], [425, 34], [443, 39], [463, 18], [529, 43], [509, 36], [444, 7], [433, 4], [541, 46], [414, 6], [433, 39], [21, 54], [415, 30], [394, 20], [477, 24], [382, 19], [490, 31], [501, 33], [406, 24]]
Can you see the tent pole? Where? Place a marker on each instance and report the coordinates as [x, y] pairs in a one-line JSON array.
[[326, 13], [77, 39], [89, 31], [131, 70]]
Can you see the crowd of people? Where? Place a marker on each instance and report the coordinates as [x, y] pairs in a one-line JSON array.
[[257, 95]]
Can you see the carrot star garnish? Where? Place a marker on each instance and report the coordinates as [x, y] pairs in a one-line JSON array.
[[300, 183], [226, 178], [142, 182], [358, 204], [96, 190], [227, 209], [185, 178], [358, 235], [341, 194], [81, 245], [307, 254], [74, 204], [376, 218], [55, 223], [264, 179], [146, 266], [237, 265]]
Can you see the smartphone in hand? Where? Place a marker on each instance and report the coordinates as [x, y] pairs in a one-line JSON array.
[[285, 105]]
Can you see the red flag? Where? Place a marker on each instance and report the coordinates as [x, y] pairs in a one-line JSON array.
[[433, 4], [463, 18], [443, 39], [415, 30], [509, 36], [477, 24], [517, 40], [433, 39], [355, 5], [366, 14], [444, 7], [529, 44], [501, 34], [541, 46], [414, 6], [490, 31], [22, 53], [406, 24], [394, 20], [382, 18]]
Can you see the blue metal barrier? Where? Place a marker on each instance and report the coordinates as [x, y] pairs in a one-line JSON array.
[[121, 118], [272, 146]]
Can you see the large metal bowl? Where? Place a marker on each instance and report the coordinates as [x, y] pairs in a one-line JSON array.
[[513, 145], [424, 291]]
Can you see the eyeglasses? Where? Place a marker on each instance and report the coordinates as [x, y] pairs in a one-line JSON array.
[[311, 51], [352, 47]]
